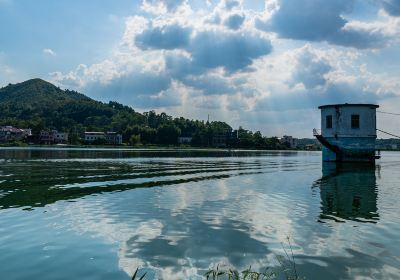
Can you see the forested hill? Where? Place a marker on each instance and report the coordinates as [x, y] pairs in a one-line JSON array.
[[39, 105]]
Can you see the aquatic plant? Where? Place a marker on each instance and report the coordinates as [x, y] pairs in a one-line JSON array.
[[245, 274], [135, 276], [286, 266]]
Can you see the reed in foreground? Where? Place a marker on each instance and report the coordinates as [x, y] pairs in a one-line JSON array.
[[285, 270]]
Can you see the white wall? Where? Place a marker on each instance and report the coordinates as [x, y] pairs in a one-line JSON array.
[[341, 121], [93, 137]]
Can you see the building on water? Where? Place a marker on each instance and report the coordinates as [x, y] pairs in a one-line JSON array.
[[348, 132]]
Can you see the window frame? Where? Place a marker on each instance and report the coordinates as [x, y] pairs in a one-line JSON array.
[[355, 121], [330, 122]]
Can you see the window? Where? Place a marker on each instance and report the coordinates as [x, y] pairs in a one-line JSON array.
[[329, 121], [355, 121]]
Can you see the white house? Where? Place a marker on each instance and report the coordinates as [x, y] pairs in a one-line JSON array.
[[184, 140], [348, 132], [10, 133], [111, 138], [91, 136], [53, 136], [60, 137], [289, 140]]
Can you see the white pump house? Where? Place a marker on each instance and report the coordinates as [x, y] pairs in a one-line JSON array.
[[348, 132]]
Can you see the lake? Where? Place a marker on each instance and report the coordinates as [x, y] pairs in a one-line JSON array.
[[102, 213]]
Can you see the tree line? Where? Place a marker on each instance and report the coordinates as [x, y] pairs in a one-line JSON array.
[[39, 105]]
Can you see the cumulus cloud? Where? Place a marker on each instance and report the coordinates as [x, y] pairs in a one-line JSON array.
[[180, 66], [162, 6], [49, 52], [320, 20], [307, 99], [167, 37], [167, 98], [217, 59], [392, 7], [138, 88], [234, 21], [230, 4], [141, 83], [208, 103], [322, 76], [310, 70], [360, 36], [210, 84], [231, 51]]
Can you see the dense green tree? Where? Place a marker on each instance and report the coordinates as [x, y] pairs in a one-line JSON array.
[[168, 134], [134, 140], [39, 105]]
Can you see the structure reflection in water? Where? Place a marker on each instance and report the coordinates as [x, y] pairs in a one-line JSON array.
[[348, 192]]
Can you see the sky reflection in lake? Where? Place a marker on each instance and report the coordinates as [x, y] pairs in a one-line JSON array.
[[102, 214]]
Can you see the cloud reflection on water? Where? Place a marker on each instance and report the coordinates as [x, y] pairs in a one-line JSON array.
[[227, 210]]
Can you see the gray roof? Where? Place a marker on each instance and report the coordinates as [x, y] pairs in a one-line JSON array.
[[349, 105]]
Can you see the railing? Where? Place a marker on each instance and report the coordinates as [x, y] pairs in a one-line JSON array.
[[317, 132]]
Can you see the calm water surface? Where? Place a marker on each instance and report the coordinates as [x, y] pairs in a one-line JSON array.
[[100, 214]]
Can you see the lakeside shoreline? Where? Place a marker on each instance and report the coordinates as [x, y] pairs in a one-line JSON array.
[[141, 148]]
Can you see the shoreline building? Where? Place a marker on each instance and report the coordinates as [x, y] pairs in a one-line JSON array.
[[113, 138], [109, 138], [10, 133], [184, 140], [289, 141], [92, 136], [348, 132], [53, 137]]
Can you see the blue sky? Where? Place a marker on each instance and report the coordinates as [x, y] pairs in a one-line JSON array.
[[265, 65]]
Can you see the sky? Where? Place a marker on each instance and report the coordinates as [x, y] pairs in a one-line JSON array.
[[264, 65]]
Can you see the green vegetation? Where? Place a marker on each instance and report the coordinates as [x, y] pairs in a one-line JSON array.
[[287, 267], [39, 105], [14, 144], [136, 277], [285, 270]]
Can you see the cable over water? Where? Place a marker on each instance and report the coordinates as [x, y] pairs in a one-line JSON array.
[[388, 133], [388, 113]]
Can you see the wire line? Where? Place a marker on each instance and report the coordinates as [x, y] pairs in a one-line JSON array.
[[388, 113], [388, 133]]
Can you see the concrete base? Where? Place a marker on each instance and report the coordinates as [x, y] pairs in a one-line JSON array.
[[354, 149]]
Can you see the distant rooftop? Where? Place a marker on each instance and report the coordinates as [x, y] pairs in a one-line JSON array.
[[94, 132], [349, 105]]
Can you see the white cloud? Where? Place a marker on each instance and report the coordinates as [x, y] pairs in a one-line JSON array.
[[191, 61], [164, 6], [49, 52], [392, 7], [310, 70], [319, 20]]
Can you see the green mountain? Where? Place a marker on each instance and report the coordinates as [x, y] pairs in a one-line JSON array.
[[38, 105], [35, 90]]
